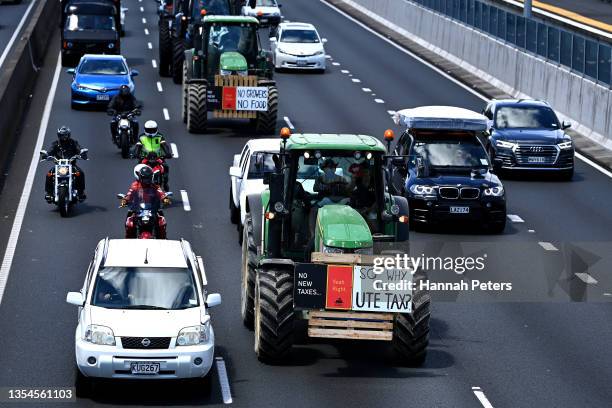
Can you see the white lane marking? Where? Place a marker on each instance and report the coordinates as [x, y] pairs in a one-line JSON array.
[[366, 89], [141, 9], [150, 46], [391, 112], [288, 122], [446, 75], [11, 245], [586, 278], [146, 31], [345, 71], [337, 64], [223, 380], [154, 63], [607, 294], [166, 114], [515, 218], [356, 80], [479, 393], [175, 153], [185, 199], [329, 57], [144, 20], [531, 231], [548, 246], [379, 100], [16, 33], [159, 87]]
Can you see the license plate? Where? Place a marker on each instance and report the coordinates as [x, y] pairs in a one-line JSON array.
[[301, 62], [103, 97], [460, 210], [264, 20], [536, 159], [145, 368]]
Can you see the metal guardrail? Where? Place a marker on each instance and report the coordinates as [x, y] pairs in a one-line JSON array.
[[585, 56]]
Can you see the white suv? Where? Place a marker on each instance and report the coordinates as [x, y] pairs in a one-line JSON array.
[[143, 313]]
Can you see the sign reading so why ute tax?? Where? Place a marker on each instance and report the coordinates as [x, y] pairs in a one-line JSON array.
[[245, 98]]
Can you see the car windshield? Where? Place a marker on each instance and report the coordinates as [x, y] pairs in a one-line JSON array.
[[212, 7], [450, 153], [532, 117], [266, 3], [340, 173], [237, 38], [299, 36], [145, 288], [103, 67], [89, 22], [260, 163]]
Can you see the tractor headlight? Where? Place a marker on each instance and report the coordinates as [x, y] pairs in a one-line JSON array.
[[494, 191], [565, 145], [62, 171], [279, 207], [191, 336], [111, 46], [394, 209], [101, 335], [332, 250], [505, 145], [422, 190]]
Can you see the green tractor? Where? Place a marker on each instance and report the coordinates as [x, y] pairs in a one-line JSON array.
[[311, 245], [229, 74]]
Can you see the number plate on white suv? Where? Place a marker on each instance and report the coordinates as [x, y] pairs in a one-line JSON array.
[[145, 368]]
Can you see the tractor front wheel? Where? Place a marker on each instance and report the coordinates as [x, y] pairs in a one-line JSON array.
[[197, 113], [265, 124], [274, 314]]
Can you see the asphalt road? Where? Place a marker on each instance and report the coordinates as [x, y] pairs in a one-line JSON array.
[[10, 18], [549, 352], [595, 9]]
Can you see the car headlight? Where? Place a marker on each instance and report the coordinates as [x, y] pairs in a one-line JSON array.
[[494, 191], [504, 144], [81, 87], [62, 171], [420, 189], [191, 336], [332, 250], [565, 145], [101, 335]]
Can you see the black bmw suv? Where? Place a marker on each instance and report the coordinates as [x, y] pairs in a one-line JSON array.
[[526, 134]]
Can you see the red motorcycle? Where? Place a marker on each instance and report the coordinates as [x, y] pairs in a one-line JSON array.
[[158, 164], [145, 219]]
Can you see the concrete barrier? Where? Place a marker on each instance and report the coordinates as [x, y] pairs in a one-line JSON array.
[[19, 73], [578, 99]]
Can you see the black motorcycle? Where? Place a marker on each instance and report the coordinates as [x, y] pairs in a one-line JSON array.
[[126, 135], [65, 194]]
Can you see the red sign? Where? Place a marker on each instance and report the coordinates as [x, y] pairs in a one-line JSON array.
[[229, 98], [339, 287]]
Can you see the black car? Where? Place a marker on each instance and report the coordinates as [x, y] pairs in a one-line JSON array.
[[445, 174], [526, 134]]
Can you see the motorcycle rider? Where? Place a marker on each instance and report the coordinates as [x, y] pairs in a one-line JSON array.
[[144, 190], [153, 141], [123, 102], [64, 148]]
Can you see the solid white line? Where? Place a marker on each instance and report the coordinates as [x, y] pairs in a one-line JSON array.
[[366, 89], [166, 114], [586, 278], [150, 46], [356, 80], [288, 122], [175, 153], [11, 245], [444, 74], [515, 218], [481, 397], [144, 20], [185, 199], [16, 33], [146, 31], [379, 100], [548, 246], [223, 381], [154, 63], [159, 87]]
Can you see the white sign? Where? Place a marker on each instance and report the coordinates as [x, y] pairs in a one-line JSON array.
[[251, 98], [389, 291]]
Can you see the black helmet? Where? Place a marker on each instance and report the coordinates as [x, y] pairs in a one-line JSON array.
[[63, 133], [150, 128], [152, 155], [124, 90], [145, 175]]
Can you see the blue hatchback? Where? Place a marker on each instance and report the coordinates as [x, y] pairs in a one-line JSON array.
[[97, 78]]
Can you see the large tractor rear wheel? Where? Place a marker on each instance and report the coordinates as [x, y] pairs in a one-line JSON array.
[[411, 331], [265, 124], [274, 315], [165, 49], [178, 56], [197, 114], [249, 263]]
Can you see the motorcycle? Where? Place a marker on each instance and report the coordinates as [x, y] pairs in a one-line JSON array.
[[145, 218], [65, 195], [158, 164], [125, 136]]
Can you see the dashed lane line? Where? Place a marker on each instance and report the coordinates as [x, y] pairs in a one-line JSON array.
[[154, 63], [146, 31], [159, 87], [149, 46], [185, 199], [356, 80], [11, 245], [141, 9], [166, 114], [484, 401], [336, 64], [144, 20], [378, 100], [548, 246], [223, 380], [175, 153], [288, 122], [515, 218], [345, 71], [366, 89], [586, 278]]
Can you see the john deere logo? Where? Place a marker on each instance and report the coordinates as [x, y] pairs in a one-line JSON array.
[[146, 342]]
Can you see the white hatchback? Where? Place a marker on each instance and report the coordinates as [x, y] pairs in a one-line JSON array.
[[143, 313], [298, 46]]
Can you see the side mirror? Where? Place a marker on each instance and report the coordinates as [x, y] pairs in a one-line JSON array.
[[121, 196], [83, 153], [43, 154], [272, 39], [565, 125], [169, 193], [234, 171], [75, 298], [71, 71], [134, 72], [212, 300]]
